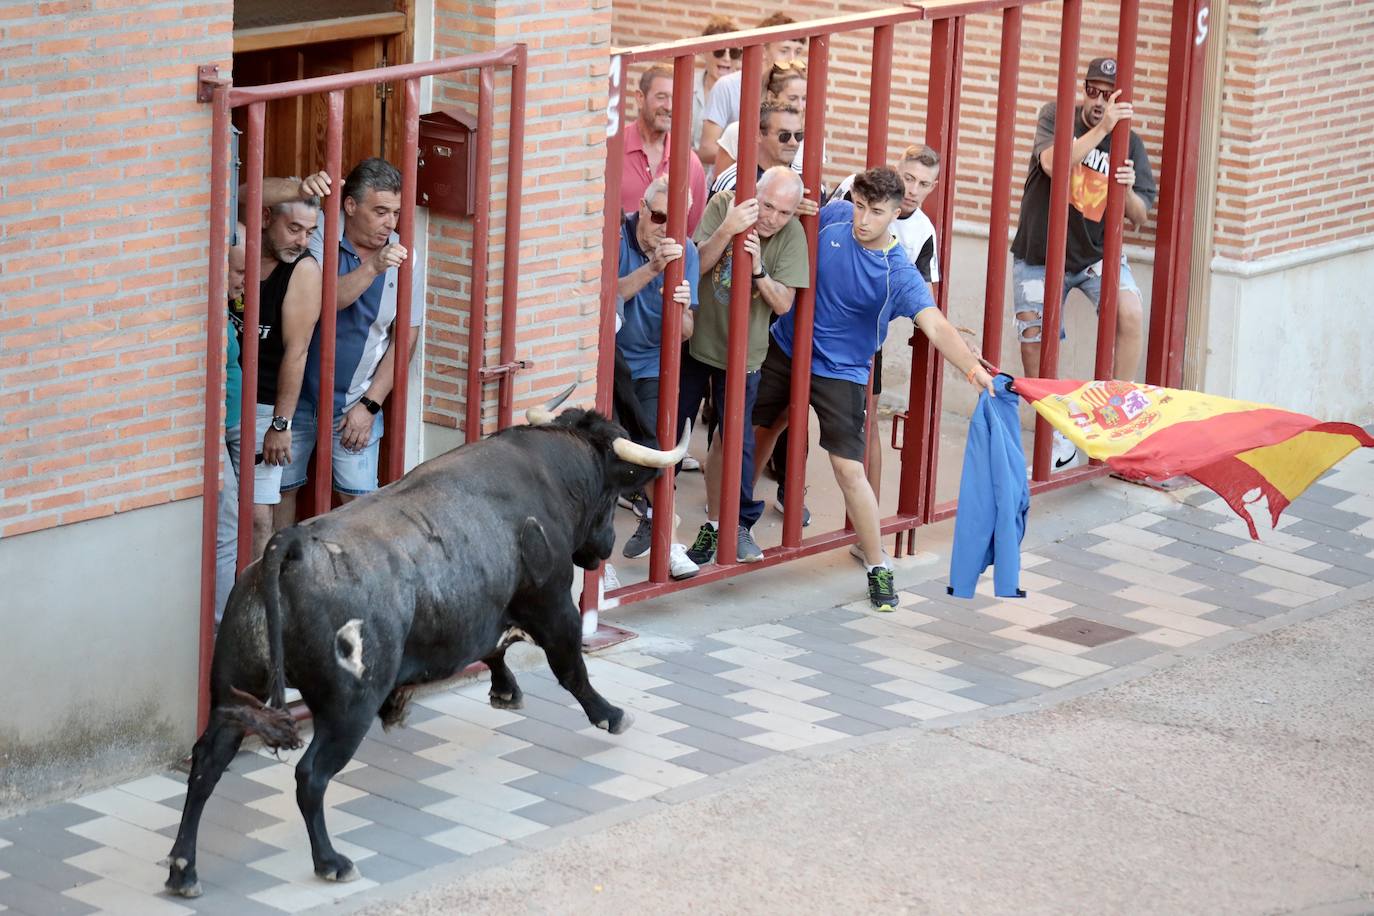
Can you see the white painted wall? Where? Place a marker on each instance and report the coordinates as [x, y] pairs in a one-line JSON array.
[[1295, 331]]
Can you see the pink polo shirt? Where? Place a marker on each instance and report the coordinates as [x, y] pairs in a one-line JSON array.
[[635, 176]]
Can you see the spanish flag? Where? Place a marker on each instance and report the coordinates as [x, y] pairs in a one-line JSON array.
[[1240, 450]]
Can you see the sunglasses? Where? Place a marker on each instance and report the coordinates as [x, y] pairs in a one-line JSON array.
[[786, 135], [658, 217], [1096, 93], [794, 64], [735, 53]]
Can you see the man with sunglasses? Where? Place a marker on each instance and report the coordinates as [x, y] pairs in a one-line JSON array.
[[1093, 120], [722, 105], [714, 65], [648, 146], [645, 251], [780, 135]]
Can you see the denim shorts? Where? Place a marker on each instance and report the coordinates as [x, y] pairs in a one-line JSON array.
[[1028, 293], [355, 473], [266, 477]]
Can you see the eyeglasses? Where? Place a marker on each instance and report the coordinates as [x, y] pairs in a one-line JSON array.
[[786, 135], [657, 216], [1096, 93], [735, 53]]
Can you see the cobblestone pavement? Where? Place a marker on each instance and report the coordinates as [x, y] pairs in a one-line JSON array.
[[465, 781]]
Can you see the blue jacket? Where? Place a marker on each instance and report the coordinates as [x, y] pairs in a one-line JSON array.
[[993, 498]]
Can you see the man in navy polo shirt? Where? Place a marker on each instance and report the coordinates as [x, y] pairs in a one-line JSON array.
[[864, 279], [370, 255]]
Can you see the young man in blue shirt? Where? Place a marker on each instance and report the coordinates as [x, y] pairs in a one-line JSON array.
[[864, 279]]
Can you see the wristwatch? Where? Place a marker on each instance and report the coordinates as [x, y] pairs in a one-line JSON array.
[[372, 406], [281, 424], [760, 275]]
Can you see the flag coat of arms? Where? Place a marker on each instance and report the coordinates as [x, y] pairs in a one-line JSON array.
[[1241, 450]]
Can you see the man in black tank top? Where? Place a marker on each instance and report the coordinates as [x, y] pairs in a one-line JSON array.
[[289, 306]]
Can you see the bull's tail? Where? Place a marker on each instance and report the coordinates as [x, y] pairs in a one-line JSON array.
[[276, 727], [285, 545]]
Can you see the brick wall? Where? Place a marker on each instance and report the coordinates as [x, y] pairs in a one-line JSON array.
[[1298, 113], [103, 196], [562, 194]]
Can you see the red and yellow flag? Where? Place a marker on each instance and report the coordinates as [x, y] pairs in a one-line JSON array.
[[1240, 450]]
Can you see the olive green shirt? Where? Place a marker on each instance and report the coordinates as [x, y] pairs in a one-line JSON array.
[[784, 259]]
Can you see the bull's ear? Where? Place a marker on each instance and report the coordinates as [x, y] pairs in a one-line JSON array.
[[536, 557]]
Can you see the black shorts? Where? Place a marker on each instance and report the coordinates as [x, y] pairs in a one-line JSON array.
[[877, 373], [841, 406]]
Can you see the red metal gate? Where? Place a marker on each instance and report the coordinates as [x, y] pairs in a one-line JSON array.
[[921, 423], [224, 97]]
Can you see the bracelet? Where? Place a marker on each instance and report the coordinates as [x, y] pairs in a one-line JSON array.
[[969, 374], [760, 275]]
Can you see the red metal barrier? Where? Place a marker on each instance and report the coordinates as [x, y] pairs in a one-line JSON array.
[[224, 97], [921, 423]]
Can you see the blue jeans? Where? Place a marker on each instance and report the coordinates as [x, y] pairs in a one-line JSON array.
[[355, 473], [694, 381]]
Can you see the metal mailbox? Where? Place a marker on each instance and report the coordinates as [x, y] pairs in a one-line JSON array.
[[447, 167]]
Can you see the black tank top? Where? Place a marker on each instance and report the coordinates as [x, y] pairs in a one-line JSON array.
[[271, 346]]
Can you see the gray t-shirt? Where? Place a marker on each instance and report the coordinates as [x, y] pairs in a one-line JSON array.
[[722, 105]]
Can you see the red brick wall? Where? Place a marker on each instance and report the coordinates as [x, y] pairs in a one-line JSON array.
[[1297, 117], [560, 256], [103, 196]]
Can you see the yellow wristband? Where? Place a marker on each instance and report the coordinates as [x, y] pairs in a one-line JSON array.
[[969, 374]]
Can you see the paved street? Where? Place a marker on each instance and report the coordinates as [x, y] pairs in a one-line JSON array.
[[1190, 734]]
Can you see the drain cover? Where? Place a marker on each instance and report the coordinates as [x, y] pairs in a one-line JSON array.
[[1082, 632]]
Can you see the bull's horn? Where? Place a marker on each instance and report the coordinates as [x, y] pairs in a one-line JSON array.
[[538, 416], [647, 457]]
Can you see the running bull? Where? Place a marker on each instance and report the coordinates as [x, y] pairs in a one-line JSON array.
[[449, 565]]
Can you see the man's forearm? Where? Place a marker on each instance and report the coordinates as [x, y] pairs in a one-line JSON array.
[[630, 284], [353, 284], [1136, 211], [777, 296], [290, 376], [946, 339], [1079, 149], [382, 379], [711, 251], [274, 191]]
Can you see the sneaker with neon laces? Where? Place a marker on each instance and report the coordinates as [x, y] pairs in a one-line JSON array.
[[703, 549], [639, 543], [1064, 453], [881, 592], [680, 566], [747, 549]]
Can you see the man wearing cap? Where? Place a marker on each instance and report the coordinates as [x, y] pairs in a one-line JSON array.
[[1094, 118]]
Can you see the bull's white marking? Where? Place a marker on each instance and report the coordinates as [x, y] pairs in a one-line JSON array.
[[332, 547], [350, 636], [514, 634]]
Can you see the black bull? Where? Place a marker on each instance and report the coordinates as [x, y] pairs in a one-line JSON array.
[[445, 567]]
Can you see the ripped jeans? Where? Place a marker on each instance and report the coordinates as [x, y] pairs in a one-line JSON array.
[[1028, 293]]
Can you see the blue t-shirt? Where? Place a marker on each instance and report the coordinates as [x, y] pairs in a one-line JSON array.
[[858, 291], [641, 334]]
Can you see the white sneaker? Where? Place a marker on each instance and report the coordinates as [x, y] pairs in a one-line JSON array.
[[609, 580], [1063, 453], [680, 566], [690, 464]]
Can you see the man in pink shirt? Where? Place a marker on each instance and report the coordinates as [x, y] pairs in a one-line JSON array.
[[648, 145]]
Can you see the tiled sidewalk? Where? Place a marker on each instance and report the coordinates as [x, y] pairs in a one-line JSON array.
[[463, 778]]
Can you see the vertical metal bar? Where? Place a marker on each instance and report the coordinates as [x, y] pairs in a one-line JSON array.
[[944, 226], [1178, 188], [481, 233], [610, 272], [510, 265], [257, 113], [1004, 150], [798, 411], [214, 390], [879, 94], [332, 216], [398, 402], [1058, 220], [1116, 195], [741, 292], [670, 354]]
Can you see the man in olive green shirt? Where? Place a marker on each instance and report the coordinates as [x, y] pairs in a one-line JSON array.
[[776, 246]]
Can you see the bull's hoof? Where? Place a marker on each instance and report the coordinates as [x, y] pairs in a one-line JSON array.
[[182, 882], [619, 722], [507, 700], [343, 870]]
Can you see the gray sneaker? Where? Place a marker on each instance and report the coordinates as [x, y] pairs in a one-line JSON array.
[[746, 549], [639, 543]]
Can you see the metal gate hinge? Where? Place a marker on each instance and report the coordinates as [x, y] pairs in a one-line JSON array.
[[207, 80], [383, 89], [491, 372]]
